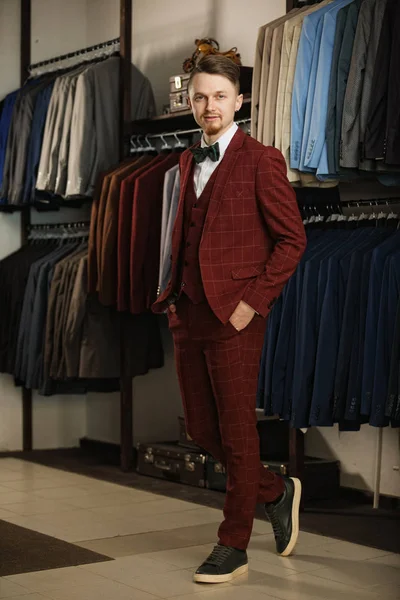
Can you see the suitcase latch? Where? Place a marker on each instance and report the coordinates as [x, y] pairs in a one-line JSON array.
[[218, 468], [149, 456], [190, 466], [178, 83]]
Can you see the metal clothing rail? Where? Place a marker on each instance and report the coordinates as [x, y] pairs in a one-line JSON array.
[[179, 132], [81, 52]]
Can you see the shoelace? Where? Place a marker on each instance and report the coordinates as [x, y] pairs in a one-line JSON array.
[[275, 522], [219, 555]]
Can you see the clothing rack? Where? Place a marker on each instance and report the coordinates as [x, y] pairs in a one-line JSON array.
[[184, 131], [74, 54], [174, 134], [59, 230], [125, 41]]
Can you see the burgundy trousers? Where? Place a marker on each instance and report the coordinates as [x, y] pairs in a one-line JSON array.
[[218, 373]]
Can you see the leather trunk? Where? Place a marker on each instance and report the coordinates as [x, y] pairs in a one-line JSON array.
[[172, 462]]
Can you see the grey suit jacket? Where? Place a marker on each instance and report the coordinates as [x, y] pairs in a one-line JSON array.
[[171, 204], [332, 151], [365, 164], [95, 122], [169, 181], [350, 129]]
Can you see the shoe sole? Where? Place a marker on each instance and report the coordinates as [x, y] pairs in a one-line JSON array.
[[295, 518], [220, 578]]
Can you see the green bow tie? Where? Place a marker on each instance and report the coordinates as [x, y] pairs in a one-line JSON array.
[[200, 154]]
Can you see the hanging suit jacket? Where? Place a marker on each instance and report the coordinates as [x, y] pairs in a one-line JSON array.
[[343, 69], [368, 91], [287, 74], [393, 111], [316, 150], [332, 92], [269, 108], [253, 237], [165, 254], [350, 137], [108, 270], [304, 82], [127, 199], [265, 70], [146, 235]]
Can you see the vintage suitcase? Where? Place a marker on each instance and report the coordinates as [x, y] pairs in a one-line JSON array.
[[274, 438], [184, 438], [178, 101], [321, 477], [179, 83], [172, 462]]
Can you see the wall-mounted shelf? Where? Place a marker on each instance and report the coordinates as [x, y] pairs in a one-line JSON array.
[[176, 121]]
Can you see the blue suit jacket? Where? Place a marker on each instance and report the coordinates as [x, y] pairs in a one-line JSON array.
[[314, 140], [305, 72]]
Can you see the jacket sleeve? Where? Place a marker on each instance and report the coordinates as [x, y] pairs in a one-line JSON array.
[[278, 205]]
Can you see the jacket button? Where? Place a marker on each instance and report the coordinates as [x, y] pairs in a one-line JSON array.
[[183, 284]]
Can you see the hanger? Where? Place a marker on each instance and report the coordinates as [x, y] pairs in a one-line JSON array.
[[149, 147], [165, 145], [179, 143]]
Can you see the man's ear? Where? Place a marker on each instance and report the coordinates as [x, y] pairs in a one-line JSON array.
[[239, 102]]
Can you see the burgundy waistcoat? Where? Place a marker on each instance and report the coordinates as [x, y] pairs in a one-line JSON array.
[[195, 212]]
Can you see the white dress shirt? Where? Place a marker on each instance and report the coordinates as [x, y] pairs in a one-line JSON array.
[[204, 170]]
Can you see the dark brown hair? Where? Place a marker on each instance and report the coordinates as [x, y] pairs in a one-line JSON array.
[[217, 65]]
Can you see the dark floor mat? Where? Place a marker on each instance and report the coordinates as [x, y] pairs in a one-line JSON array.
[[24, 551], [350, 517]]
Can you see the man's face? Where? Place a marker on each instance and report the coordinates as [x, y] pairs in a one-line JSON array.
[[213, 100]]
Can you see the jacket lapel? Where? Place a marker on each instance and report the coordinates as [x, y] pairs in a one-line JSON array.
[[224, 172]]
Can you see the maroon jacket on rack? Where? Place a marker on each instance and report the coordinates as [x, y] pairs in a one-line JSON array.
[[124, 232], [146, 235]]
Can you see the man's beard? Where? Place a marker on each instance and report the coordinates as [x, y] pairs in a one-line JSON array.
[[212, 128]]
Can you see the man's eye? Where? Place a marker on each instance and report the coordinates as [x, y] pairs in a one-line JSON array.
[[221, 96]]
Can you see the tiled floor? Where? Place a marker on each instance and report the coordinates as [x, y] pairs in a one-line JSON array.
[[157, 543]]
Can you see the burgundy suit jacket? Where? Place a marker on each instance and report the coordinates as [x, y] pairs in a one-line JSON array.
[[124, 231], [253, 236], [144, 258]]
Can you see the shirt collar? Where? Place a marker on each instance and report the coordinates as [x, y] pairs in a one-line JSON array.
[[224, 140]]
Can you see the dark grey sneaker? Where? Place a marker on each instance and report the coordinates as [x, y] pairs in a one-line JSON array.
[[284, 517], [223, 564]]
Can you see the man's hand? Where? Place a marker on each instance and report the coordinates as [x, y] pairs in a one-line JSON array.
[[242, 316]]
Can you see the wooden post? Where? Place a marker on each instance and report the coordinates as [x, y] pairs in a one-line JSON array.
[[290, 4], [126, 398], [25, 61], [125, 73]]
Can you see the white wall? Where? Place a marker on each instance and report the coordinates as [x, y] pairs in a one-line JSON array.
[[102, 21], [356, 453]]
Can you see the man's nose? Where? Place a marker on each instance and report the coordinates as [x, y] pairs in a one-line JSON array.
[[211, 104]]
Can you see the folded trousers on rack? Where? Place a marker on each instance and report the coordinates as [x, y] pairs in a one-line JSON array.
[[217, 369]]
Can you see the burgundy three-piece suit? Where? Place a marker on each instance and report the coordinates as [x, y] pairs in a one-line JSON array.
[[240, 240]]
